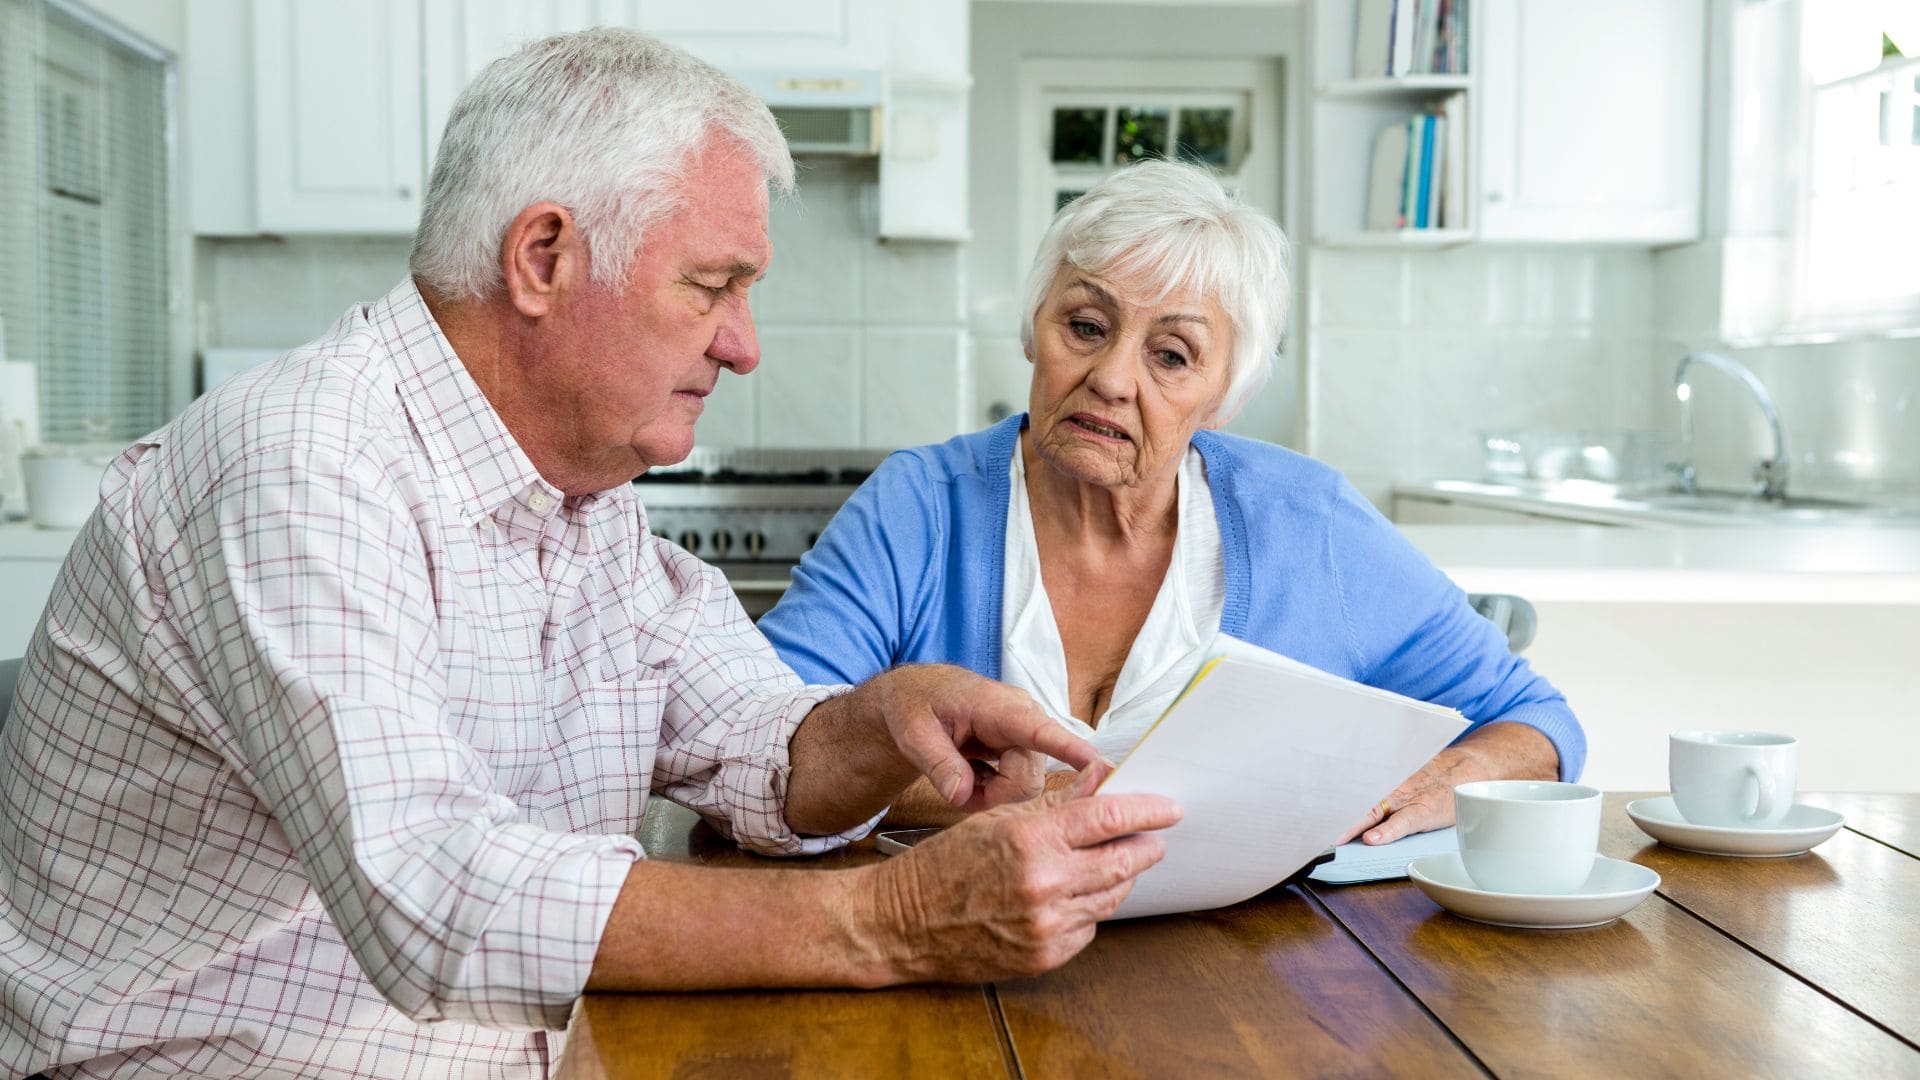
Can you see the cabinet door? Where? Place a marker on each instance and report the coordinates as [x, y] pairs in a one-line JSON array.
[[337, 119], [1590, 119], [460, 37], [770, 33]]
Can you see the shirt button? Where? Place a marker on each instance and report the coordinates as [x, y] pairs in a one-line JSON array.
[[539, 503]]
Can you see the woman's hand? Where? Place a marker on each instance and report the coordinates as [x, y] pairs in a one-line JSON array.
[[1496, 751]]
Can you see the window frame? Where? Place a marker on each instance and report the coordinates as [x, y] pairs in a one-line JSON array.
[[1805, 313]]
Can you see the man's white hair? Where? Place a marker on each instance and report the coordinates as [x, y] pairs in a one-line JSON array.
[[602, 122], [1172, 226]]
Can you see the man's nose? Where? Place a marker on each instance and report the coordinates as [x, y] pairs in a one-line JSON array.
[[736, 345]]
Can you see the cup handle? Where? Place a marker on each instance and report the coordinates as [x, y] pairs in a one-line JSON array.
[[1764, 780]]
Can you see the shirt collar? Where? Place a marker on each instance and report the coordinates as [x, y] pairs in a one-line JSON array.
[[468, 444]]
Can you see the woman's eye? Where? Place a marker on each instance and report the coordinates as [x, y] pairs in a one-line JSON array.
[[1084, 328], [1171, 359]]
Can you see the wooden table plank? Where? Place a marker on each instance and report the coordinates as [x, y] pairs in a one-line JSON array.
[[1845, 916], [922, 1031], [918, 1031], [1892, 819], [1658, 993], [1270, 987]]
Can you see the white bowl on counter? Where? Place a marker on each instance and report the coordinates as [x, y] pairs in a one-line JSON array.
[[63, 481]]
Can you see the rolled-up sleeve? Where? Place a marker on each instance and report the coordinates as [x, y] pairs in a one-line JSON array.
[[732, 708]]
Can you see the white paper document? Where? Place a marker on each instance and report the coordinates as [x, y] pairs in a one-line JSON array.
[[1272, 760]]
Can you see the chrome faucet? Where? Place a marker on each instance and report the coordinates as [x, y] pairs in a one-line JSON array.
[[1770, 476]]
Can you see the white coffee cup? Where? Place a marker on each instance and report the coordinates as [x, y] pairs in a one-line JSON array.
[[1733, 779], [1527, 836]]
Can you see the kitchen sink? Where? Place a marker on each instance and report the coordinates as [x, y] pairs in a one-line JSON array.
[[1609, 504], [1740, 502]]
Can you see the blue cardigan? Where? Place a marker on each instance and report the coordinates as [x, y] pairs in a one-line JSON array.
[[910, 571]]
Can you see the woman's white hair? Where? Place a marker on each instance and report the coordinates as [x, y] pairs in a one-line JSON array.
[[1172, 226], [602, 122]]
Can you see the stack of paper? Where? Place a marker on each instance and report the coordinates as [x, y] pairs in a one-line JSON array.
[[1272, 761]]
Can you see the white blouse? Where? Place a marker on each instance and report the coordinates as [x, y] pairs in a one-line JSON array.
[[1182, 622]]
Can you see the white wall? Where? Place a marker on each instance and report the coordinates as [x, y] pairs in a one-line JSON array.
[[162, 22], [863, 343]]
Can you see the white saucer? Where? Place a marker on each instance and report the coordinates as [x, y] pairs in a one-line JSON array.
[[1803, 827], [1613, 889]]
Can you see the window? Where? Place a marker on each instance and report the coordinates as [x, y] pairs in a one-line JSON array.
[[1084, 119], [1096, 133], [1857, 234], [83, 157]]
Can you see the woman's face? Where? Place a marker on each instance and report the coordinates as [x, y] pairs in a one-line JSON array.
[[1120, 383]]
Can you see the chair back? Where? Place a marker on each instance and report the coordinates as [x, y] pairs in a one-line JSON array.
[[1513, 615], [9, 674]]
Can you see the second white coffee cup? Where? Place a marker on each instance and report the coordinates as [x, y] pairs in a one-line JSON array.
[[1733, 779], [1527, 836]]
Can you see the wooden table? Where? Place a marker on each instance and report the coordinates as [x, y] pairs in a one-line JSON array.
[[1808, 966]]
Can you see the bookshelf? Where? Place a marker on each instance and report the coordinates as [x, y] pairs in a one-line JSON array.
[[1347, 113]]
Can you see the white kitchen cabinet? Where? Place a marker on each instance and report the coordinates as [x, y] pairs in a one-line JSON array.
[[463, 36], [311, 118], [1583, 123], [337, 116], [1590, 115]]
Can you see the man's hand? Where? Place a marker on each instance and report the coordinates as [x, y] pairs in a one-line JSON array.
[[1424, 802], [980, 743], [1017, 890]]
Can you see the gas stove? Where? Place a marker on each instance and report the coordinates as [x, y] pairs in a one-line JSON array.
[[753, 512]]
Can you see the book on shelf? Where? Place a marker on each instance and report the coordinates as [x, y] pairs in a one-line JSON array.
[[1387, 179], [1416, 166], [1453, 183], [1417, 177], [1393, 38], [1373, 34]]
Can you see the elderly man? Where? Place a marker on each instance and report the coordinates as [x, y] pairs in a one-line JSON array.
[[328, 752]]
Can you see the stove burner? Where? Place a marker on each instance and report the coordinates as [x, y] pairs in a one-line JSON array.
[[725, 475]]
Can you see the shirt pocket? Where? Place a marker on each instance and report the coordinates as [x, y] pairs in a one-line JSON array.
[[601, 747]]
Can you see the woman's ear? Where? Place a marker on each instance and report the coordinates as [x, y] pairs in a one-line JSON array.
[[542, 257]]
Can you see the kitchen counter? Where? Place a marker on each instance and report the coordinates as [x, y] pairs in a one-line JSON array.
[[1806, 631], [1595, 564], [1456, 501]]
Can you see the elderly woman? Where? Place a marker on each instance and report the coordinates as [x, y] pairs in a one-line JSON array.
[[1088, 550]]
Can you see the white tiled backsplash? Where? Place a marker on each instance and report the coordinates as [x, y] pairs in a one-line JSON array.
[[1850, 410], [866, 344], [862, 343], [1415, 352]]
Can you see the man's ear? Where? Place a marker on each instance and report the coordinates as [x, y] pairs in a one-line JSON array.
[[543, 258]]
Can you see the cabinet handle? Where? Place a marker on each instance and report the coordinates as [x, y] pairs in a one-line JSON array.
[[405, 192], [1495, 196]]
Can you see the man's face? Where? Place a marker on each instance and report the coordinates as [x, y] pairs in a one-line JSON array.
[[639, 363]]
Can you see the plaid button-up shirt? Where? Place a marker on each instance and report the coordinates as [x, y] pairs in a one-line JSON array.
[[327, 753]]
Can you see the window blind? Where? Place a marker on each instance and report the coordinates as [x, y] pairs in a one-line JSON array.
[[83, 291]]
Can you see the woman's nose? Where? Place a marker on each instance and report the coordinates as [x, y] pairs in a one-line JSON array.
[[1112, 375]]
